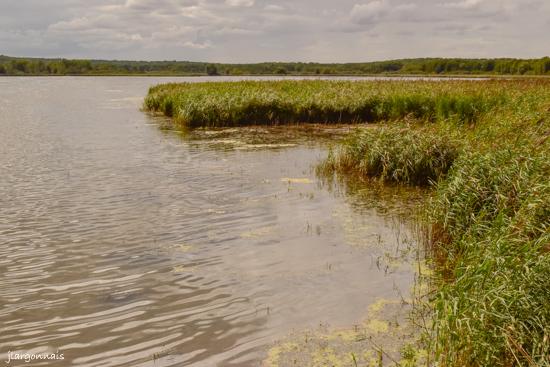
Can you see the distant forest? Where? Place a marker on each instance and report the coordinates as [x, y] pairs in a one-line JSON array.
[[432, 66]]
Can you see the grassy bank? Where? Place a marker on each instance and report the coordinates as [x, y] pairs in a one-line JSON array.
[[315, 101], [488, 222]]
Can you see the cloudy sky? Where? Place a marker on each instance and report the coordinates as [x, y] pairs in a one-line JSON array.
[[274, 30]]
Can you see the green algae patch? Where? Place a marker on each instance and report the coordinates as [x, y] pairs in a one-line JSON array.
[[181, 269], [182, 247], [379, 305], [377, 326], [297, 180], [276, 352], [379, 340]]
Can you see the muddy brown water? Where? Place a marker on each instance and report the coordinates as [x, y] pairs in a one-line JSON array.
[[125, 245]]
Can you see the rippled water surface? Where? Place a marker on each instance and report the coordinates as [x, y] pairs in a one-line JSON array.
[[125, 245]]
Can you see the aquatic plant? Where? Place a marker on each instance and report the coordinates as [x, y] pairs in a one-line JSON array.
[[322, 101], [400, 153], [494, 310]]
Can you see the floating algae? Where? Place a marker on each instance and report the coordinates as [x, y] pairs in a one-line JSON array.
[[257, 233], [296, 180], [179, 269], [183, 247], [380, 340], [264, 146], [377, 326]]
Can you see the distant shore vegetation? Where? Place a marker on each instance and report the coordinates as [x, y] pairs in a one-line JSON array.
[[425, 66]]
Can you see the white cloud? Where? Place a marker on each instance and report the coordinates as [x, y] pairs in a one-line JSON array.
[[73, 24], [245, 3], [381, 10], [102, 21], [465, 4]]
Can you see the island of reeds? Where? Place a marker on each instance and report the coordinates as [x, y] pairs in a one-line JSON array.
[[483, 147], [223, 104]]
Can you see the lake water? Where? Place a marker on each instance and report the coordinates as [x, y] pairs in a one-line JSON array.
[[125, 245]]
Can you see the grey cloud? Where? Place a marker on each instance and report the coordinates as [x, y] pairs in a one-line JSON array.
[[260, 30], [369, 12]]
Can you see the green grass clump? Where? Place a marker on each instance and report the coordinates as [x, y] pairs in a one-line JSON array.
[[495, 209], [488, 220], [321, 101], [396, 153]]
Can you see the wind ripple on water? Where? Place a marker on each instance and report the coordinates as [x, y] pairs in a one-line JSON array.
[[123, 245]]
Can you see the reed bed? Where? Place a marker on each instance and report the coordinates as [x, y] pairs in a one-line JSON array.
[[488, 221], [398, 153], [321, 101]]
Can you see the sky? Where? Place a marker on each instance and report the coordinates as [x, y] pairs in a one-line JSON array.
[[243, 31]]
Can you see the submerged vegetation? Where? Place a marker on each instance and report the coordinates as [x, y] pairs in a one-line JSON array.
[[488, 222], [318, 101], [482, 147], [428, 66]]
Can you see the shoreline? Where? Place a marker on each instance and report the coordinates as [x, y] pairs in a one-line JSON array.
[[395, 76]]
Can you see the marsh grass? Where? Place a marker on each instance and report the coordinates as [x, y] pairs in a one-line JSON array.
[[495, 208], [487, 223], [401, 153], [321, 101]]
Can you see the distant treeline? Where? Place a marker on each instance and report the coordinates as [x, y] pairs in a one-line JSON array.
[[35, 66]]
